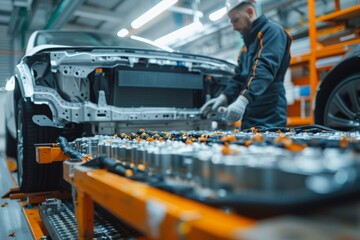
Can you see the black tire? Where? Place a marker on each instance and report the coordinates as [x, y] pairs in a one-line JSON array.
[[10, 145], [342, 109], [34, 177]]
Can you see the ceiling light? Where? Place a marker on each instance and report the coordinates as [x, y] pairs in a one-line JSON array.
[[123, 32], [217, 14], [148, 41], [180, 34], [152, 13]]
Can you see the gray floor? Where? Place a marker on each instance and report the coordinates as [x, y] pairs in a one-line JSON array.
[[12, 220]]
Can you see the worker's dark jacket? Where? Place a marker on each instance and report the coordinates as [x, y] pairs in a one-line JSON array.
[[260, 75]]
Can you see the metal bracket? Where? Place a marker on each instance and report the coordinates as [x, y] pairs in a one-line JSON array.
[[102, 99], [45, 121]]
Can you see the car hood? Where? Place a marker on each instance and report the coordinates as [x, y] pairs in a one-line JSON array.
[[209, 63]]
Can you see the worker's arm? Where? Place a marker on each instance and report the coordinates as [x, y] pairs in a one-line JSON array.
[[234, 86], [273, 45]]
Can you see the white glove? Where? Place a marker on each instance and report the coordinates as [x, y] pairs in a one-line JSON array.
[[213, 104], [235, 111]]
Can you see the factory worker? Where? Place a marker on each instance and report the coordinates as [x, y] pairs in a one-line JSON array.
[[256, 95]]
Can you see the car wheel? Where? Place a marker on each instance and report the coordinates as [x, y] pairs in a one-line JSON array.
[[10, 145], [32, 176], [342, 110]]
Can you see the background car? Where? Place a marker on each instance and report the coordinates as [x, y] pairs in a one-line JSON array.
[[337, 102]]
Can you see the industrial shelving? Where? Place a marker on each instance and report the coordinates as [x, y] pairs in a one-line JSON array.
[[300, 113]]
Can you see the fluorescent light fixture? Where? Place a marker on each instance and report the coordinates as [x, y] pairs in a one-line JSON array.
[[217, 14], [180, 34], [123, 32], [152, 13], [145, 40]]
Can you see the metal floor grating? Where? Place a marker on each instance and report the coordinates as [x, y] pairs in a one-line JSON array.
[[60, 222]]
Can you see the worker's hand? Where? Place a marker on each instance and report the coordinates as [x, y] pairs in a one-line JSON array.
[[213, 104], [235, 111]]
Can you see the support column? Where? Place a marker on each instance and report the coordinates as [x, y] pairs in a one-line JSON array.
[[85, 215]]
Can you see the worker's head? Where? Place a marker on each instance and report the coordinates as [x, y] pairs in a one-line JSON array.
[[242, 13]]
